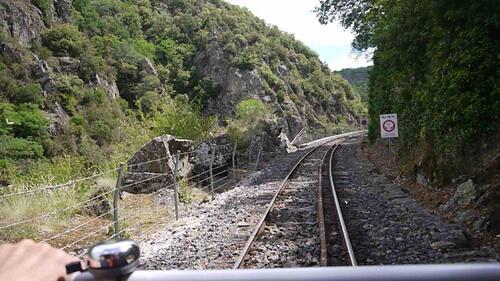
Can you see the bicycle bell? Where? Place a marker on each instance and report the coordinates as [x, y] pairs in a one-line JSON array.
[[113, 259]]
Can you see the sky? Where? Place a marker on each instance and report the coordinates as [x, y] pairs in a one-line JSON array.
[[331, 42]]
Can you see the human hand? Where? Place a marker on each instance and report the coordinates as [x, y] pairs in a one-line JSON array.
[[29, 261]]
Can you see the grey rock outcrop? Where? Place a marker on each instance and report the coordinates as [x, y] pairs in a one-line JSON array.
[[110, 88], [59, 119], [68, 64], [237, 84], [148, 67], [21, 20], [202, 153], [42, 71], [156, 161], [63, 9]]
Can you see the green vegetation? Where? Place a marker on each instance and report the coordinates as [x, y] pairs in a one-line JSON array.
[[248, 123], [436, 66], [60, 118], [358, 78]]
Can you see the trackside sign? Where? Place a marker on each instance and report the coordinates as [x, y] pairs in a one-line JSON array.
[[389, 126]]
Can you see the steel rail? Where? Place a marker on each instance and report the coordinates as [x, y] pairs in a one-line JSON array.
[[323, 260], [260, 225], [345, 235]]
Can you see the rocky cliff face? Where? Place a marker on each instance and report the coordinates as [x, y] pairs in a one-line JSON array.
[[237, 84], [151, 52], [21, 20]]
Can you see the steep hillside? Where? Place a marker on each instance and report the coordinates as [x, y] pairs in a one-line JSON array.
[[358, 78], [97, 78]]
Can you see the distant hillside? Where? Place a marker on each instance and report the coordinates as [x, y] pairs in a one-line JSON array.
[[358, 78]]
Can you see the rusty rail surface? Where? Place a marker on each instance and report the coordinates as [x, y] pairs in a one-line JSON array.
[[261, 224]]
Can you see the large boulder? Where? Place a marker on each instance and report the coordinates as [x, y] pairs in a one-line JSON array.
[[201, 158], [151, 168], [465, 194]]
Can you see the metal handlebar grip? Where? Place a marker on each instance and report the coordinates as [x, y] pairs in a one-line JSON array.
[[111, 259]]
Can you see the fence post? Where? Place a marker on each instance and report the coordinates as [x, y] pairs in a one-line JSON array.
[[235, 176], [212, 172], [176, 186], [116, 199], [258, 159]]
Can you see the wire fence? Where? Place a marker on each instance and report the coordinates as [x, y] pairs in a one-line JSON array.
[[103, 213]]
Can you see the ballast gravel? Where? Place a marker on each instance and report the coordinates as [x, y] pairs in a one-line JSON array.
[[387, 226], [210, 235]]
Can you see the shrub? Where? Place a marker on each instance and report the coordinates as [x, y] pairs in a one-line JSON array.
[[182, 120], [29, 93], [145, 48], [249, 114], [246, 60], [64, 40], [19, 148]]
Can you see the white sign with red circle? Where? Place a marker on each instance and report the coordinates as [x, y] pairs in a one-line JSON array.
[[389, 126]]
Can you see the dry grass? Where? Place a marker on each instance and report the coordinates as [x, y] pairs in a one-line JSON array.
[[141, 212]]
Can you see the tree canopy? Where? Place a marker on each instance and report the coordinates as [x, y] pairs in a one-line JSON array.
[[436, 65]]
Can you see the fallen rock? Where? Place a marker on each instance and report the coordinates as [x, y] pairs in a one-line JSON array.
[[156, 161], [200, 159], [465, 194]]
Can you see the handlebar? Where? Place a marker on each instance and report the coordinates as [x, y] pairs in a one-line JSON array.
[[455, 272], [117, 260]]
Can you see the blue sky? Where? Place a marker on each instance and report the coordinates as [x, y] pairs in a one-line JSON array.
[[331, 42]]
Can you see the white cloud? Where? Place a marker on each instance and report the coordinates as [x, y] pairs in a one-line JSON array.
[[297, 17]]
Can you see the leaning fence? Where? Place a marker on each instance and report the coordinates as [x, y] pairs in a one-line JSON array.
[[76, 214]]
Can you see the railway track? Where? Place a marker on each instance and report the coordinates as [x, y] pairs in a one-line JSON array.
[[302, 224]]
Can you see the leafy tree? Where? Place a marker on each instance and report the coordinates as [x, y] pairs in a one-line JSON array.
[[248, 123], [181, 120], [64, 40], [29, 93], [435, 64]]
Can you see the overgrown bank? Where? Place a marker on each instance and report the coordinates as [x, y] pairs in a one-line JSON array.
[[436, 66], [95, 79]]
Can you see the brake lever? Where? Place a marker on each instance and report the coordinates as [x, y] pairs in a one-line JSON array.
[[74, 267]]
